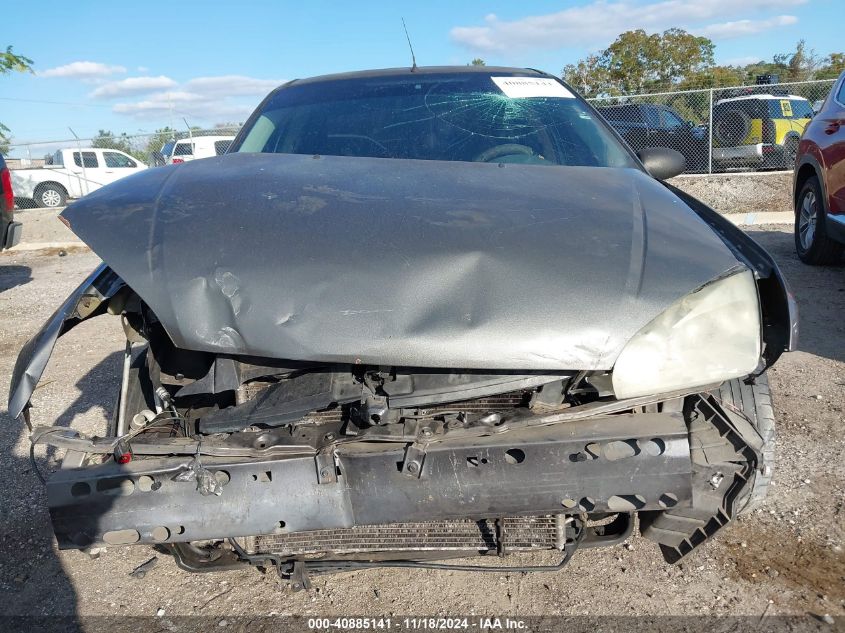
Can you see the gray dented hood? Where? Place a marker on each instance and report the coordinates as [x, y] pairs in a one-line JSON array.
[[400, 262]]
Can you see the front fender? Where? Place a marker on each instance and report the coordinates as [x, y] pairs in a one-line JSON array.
[[88, 300], [810, 155], [780, 311]]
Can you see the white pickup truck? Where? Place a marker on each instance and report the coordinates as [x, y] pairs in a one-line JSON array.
[[72, 174]]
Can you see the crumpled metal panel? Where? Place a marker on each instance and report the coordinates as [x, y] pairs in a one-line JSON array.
[[32, 359], [400, 262]]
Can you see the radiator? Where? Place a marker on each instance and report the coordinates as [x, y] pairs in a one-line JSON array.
[[519, 534]]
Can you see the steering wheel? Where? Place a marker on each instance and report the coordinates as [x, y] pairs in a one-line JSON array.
[[363, 137], [503, 150]]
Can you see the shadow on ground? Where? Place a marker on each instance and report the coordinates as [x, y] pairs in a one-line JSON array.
[[819, 291], [12, 276], [97, 389], [27, 550], [27, 547]]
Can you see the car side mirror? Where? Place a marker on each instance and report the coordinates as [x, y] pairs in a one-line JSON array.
[[661, 162]]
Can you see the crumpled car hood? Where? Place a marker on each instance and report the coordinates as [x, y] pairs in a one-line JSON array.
[[399, 262]]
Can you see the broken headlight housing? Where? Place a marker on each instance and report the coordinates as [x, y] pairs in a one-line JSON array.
[[707, 337]]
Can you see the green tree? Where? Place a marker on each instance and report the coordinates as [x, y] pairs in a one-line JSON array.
[[155, 142], [802, 63], [105, 139], [477, 62], [713, 77], [588, 76], [11, 62], [638, 62], [682, 55], [631, 61], [227, 128], [141, 148], [832, 66]]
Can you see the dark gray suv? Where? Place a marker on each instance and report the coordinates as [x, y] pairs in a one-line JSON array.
[[645, 125], [416, 314]]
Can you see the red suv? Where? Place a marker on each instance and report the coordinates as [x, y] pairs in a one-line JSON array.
[[819, 183]]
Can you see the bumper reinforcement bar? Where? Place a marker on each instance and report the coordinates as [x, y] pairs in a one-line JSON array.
[[620, 463]]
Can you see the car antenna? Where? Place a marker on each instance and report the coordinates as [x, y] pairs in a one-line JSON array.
[[413, 58]]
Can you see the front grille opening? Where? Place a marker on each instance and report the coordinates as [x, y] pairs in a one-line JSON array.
[[499, 402], [459, 535]]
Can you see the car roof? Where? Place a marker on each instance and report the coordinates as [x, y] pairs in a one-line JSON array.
[[204, 137], [761, 96], [415, 71], [661, 106]]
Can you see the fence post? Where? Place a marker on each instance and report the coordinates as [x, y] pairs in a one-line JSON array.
[[710, 137]]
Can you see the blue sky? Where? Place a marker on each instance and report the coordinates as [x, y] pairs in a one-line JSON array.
[[136, 66]]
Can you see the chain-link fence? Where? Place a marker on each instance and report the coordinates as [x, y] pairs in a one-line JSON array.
[[744, 128], [163, 147], [73, 167]]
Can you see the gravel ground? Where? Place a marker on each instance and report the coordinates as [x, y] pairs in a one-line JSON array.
[[43, 226], [784, 559], [741, 192]]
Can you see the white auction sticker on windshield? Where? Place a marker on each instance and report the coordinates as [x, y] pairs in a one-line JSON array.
[[523, 87]]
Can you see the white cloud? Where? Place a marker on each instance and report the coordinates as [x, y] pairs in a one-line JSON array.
[[603, 20], [232, 85], [196, 110], [209, 99], [83, 70], [159, 102], [133, 86], [740, 28]]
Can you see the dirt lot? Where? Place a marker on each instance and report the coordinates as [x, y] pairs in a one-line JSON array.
[[750, 192], [785, 559]]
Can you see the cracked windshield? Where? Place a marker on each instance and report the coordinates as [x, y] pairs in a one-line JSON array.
[[456, 117]]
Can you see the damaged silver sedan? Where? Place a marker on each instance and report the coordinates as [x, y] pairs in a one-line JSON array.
[[415, 315]]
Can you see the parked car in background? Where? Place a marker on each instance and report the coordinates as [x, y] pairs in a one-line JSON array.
[[759, 130], [819, 183], [10, 231], [645, 125], [72, 174], [416, 314], [187, 149]]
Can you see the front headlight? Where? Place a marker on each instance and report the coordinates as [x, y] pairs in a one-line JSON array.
[[709, 336]]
